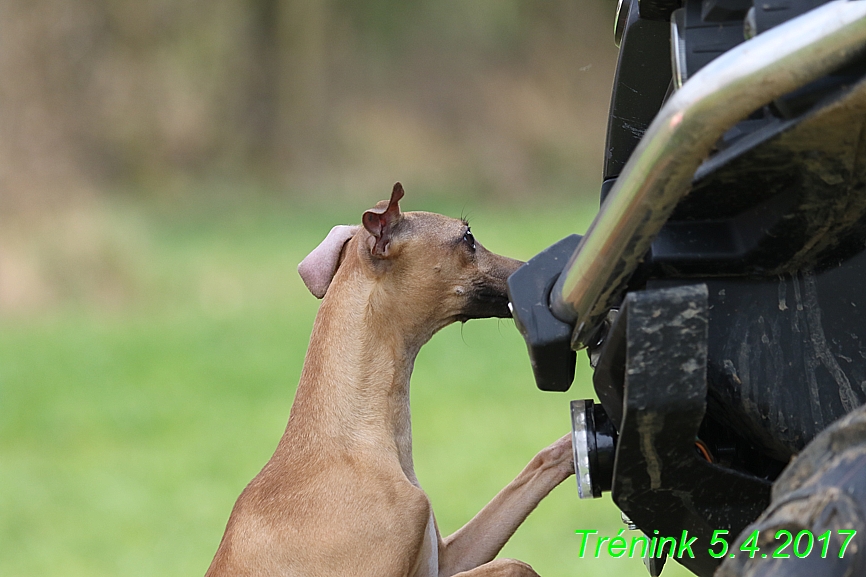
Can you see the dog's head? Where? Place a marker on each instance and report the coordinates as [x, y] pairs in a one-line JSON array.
[[429, 263]]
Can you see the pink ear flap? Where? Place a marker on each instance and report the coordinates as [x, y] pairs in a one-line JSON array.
[[318, 268], [380, 221]]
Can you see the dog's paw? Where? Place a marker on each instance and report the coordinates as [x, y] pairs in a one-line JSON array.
[[515, 568], [559, 455], [501, 568]]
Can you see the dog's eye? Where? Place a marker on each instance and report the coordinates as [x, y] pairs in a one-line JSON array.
[[469, 239]]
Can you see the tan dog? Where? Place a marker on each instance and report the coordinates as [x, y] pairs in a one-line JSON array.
[[339, 497]]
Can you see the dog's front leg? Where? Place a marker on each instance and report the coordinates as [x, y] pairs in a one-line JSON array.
[[478, 542]]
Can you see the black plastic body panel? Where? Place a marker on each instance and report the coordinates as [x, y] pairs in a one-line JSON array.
[[787, 355], [643, 76], [660, 481], [790, 195]]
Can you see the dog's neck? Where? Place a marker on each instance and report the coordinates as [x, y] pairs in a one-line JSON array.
[[353, 393]]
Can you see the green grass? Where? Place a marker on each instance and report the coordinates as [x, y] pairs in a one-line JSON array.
[[126, 433]]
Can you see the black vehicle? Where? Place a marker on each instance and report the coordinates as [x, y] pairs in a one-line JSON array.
[[721, 290]]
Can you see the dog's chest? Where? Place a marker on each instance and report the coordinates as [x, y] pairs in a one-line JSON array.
[[428, 559]]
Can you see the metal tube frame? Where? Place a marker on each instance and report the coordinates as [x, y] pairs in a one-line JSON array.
[[659, 173]]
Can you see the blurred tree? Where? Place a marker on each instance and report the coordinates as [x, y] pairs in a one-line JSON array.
[[497, 95], [301, 43]]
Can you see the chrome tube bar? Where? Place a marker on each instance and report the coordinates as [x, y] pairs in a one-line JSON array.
[[659, 172]]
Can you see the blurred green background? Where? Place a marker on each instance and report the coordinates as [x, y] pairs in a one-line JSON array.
[[164, 166]]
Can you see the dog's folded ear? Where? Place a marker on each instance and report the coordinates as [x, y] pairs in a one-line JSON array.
[[381, 220], [318, 268]]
